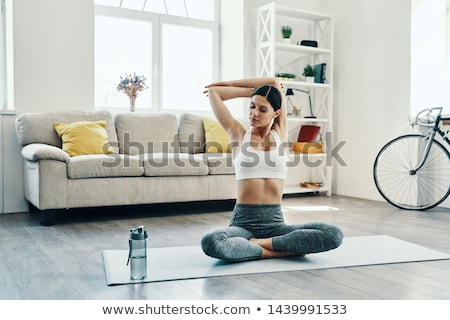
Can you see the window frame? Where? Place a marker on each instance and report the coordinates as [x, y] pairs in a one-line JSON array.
[[157, 20]]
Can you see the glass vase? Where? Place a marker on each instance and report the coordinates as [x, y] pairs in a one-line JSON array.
[[132, 103]]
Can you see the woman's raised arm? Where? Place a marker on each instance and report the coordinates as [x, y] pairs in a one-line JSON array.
[[219, 92]]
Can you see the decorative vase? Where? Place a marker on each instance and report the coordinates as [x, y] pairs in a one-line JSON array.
[[287, 40], [132, 103], [310, 79]]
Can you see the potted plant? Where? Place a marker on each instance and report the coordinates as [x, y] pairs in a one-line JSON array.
[[309, 72], [286, 32], [284, 75]]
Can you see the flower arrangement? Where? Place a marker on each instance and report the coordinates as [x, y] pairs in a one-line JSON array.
[[131, 84]]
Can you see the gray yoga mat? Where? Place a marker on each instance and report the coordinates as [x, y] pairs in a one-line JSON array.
[[178, 263]]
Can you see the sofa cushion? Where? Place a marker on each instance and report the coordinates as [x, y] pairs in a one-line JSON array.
[[219, 163], [38, 127], [141, 133], [105, 165], [216, 137], [174, 164], [191, 134], [84, 137]]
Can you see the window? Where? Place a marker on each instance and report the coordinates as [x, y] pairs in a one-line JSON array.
[[186, 68], [121, 46], [172, 43], [430, 53]]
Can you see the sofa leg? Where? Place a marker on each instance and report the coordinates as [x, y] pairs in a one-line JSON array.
[[48, 217], [32, 208]]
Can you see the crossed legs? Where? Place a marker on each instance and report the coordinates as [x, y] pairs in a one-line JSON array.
[[238, 244], [268, 251]]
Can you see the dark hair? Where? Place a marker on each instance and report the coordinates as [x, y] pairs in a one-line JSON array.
[[272, 95]]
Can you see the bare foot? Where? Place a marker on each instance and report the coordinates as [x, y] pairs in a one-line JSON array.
[[267, 249], [263, 242]]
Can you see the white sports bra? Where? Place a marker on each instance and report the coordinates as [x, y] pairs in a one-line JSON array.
[[251, 163]]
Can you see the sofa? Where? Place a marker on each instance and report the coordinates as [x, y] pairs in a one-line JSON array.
[[145, 158]]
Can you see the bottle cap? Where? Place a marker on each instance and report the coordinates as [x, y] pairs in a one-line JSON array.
[[139, 233]]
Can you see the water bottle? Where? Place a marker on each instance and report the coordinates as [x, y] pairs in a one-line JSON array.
[[137, 255]]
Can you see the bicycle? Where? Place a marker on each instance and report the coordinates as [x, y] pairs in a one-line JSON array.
[[412, 171]]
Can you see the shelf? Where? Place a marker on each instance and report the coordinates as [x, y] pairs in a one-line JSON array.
[[293, 155], [290, 47], [300, 119], [300, 49], [298, 189], [275, 56], [300, 14], [295, 83]]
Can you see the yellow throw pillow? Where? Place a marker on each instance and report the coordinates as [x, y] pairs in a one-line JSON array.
[[84, 137], [217, 140]]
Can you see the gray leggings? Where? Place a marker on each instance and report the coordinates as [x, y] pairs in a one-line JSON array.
[[266, 221]]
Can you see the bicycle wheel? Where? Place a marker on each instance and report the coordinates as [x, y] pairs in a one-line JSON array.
[[422, 190]]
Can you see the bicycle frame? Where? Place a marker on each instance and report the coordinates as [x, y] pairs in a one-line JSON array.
[[430, 136]]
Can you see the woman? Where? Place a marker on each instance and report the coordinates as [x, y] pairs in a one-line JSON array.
[[257, 229]]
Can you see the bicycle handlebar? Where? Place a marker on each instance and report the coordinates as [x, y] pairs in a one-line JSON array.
[[430, 117]]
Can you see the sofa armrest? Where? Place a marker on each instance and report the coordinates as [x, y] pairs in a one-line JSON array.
[[40, 151]]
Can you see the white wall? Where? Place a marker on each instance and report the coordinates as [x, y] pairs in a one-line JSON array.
[[53, 70], [53, 55], [371, 85]]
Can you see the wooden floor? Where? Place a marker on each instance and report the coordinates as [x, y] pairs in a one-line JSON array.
[[64, 261]]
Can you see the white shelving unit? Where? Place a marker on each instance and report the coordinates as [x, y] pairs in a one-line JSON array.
[[275, 56]]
